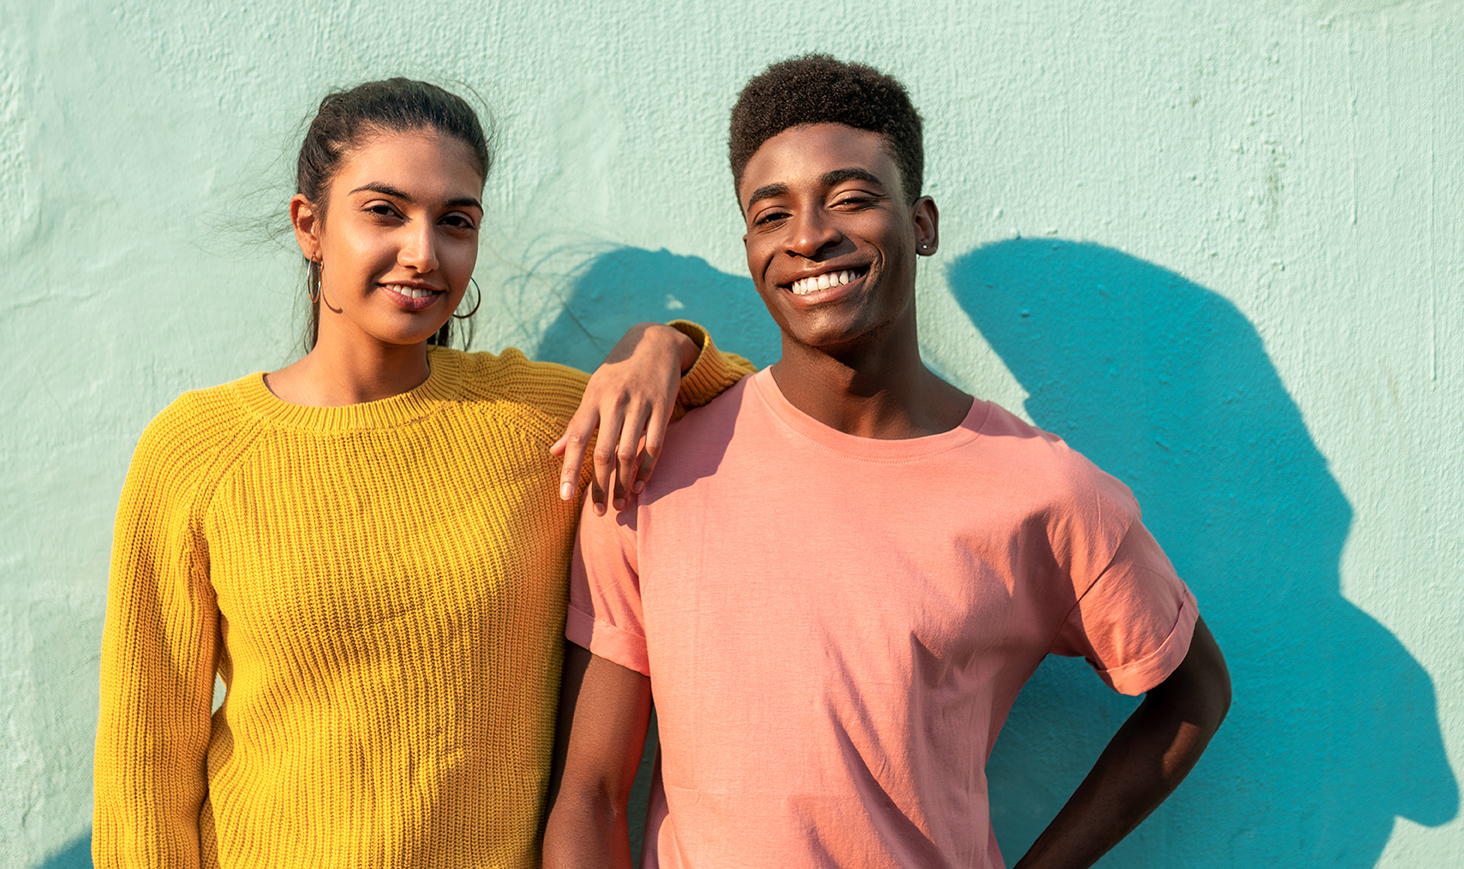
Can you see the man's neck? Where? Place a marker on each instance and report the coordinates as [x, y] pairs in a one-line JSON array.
[[880, 390]]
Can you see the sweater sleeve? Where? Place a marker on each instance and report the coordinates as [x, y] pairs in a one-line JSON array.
[[713, 373], [160, 648]]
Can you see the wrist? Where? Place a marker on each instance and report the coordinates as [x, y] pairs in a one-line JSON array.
[[689, 342]]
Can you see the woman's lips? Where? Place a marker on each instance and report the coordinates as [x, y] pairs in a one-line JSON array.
[[413, 298]]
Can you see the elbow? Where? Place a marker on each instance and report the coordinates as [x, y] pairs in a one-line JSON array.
[[1206, 695], [1217, 699], [1199, 692], [1213, 677]]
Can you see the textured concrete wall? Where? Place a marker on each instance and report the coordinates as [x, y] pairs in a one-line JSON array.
[[1215, 245]]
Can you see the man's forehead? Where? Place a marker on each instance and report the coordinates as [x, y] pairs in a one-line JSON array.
[[830, 153]]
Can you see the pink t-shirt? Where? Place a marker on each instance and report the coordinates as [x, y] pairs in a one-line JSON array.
[[835, 627]]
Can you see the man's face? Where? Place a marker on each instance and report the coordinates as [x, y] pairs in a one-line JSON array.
[[831, 240]]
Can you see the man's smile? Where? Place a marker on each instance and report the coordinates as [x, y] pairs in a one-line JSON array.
[[814, 283]]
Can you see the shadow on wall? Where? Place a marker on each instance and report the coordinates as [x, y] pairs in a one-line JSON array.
[[624, 286], [1334, 730], [77, 855], [1167, 386]]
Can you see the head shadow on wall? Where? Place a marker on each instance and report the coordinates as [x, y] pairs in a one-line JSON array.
[[1166, 385], [622, 286]]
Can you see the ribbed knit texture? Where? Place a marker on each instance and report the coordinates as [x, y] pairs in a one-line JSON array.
[[382, 588]]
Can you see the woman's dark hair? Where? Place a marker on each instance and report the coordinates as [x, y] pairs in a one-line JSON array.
[[346, 118], [818, 89]]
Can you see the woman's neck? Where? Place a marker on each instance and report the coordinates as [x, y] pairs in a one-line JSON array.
[[338, 373]]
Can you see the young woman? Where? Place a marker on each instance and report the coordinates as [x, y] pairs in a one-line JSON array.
[[370, 545]]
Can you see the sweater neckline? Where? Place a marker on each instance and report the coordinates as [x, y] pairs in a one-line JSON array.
[[867, 449], [442, 383]]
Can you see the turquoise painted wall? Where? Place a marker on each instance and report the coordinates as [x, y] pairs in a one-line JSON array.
[[1217, 246]]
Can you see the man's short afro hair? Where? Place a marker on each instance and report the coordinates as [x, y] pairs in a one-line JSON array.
[[818, 89]]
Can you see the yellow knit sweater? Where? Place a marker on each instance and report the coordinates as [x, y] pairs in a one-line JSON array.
[[382, 589]]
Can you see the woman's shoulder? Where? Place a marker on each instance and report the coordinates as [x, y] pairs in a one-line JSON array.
[[511, 377], [196, 427], [204, 410]]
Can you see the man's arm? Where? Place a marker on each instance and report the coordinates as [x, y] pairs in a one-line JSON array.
[[604, 710], [1143, 763]]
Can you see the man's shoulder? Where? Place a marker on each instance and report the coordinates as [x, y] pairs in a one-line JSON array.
[[709, 428], [1046, 470], [1010, 437], [715, 416]]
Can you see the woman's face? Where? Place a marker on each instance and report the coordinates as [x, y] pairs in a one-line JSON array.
[[397, 239]]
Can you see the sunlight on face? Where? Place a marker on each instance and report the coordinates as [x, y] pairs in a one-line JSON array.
[[398, 238]]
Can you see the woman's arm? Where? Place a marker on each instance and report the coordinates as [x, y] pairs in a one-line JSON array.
[[654, 371], [160, 650]]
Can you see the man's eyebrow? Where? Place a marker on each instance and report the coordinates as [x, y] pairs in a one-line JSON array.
[[388, 190], [839, 176], [828, 179], [767, 191]]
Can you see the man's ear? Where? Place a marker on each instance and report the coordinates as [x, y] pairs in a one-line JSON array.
[[927, 225], [306, 219]]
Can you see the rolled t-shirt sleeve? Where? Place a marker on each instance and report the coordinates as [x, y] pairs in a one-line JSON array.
[[605, 614], [1134, 623]]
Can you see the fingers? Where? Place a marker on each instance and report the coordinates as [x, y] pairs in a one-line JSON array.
[[572, 445], [628, 451], [629, 400], [655, 436], [611, 423]]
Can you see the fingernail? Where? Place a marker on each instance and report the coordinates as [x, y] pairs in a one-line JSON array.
[[619, 503], [639, 485], [566, 491], [599, 509]]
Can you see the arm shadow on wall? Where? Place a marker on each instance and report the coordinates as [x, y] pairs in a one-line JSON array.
[[1165, 384]]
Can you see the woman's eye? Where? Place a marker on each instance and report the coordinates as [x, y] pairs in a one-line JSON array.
[[459, 221], [381, 209]]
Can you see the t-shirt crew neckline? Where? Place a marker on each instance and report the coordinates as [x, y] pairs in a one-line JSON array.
[[866, 449], [443, 379]]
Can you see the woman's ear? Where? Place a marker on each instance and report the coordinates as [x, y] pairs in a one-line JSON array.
[[306, 220]]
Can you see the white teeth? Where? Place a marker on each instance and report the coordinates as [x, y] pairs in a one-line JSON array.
[[409, 292], [822, 282]]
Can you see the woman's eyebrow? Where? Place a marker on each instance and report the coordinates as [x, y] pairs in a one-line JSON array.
[[385, 189], [388, 190]]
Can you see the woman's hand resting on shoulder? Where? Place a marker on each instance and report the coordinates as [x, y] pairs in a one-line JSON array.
[[629, 399]]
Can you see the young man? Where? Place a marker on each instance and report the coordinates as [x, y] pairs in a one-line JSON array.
[[845, 568]]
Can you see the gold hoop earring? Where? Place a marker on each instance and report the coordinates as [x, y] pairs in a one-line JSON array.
[[313, 275], [476, 304]]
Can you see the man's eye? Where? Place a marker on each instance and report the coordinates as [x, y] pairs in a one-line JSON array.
[[769, 217]]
